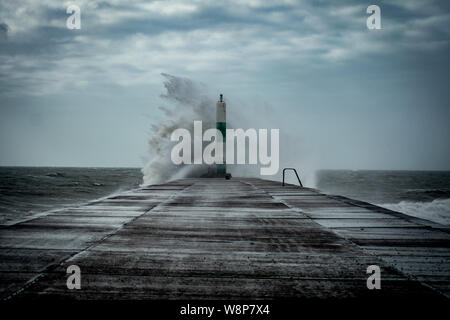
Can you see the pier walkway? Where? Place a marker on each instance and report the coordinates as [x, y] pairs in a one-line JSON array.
[[242, 238]]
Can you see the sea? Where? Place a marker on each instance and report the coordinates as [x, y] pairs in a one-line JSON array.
[[422, 194], [29, 191], [26, 191]]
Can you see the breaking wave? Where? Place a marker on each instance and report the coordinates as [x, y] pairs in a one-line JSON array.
[[184, 102], [437, 210]]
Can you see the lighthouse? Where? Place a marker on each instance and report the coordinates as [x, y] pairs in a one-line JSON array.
[[221, 125]]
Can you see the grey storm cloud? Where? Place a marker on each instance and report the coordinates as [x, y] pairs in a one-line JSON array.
[[201, 35], [317, 56], [4, 30]]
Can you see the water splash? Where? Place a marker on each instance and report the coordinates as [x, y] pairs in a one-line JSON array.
[[185, 101], [437, 210]]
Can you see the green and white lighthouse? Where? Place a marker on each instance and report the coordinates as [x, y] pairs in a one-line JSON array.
[[221, 125]]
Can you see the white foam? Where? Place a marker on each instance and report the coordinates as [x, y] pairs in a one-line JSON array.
[[185, 101], [437, 210]]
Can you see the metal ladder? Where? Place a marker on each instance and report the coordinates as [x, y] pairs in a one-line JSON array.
[[298, 178]]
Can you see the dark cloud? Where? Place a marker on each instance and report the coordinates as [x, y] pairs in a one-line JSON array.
[[298, 53], [4, 28]]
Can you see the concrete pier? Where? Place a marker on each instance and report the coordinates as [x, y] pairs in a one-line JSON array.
[[224, 239]]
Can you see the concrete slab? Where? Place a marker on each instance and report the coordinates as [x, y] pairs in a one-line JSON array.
[[242, 238]]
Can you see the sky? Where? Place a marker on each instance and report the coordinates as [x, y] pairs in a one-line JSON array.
[[343, 96]]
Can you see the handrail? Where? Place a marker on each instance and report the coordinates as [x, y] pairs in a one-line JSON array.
[[298, 178]]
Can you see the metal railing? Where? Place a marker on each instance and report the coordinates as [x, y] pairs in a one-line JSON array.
[[298, 178]]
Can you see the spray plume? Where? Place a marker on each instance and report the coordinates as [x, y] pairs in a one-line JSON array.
[[185, 102]]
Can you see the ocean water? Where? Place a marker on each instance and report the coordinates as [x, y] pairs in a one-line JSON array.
[[26, 191], [423, 194]]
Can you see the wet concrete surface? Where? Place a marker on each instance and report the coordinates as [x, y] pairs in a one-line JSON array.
[[224, 239]]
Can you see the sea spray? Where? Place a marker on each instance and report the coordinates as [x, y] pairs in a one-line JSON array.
[[184, 102], [437, 210]]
